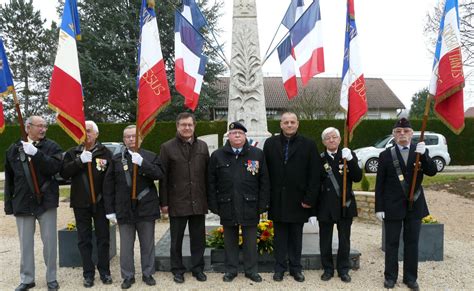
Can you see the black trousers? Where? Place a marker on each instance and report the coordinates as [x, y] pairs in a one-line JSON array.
[[288, 244], [411, 235], [197, 235], [84, 217], [325, 245], [231, 248]]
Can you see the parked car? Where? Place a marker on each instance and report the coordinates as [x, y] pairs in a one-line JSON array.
[[114, 147], [435, 143]]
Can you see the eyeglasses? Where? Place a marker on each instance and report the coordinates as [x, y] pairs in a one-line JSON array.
[[129, 136], [44, 126], [236, 133]]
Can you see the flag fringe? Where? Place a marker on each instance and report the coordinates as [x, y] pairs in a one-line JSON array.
[[152, 118], [72, 120]]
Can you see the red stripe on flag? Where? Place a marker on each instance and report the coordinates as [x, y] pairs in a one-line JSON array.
[[65, 97], [185, 85], [2, 117], [357, 103], [313, 66], [153, 94], [291, 87]]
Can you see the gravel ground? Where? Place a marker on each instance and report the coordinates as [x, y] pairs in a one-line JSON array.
[[455, 272]]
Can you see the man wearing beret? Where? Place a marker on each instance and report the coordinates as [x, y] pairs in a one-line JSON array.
[[238, 191], [392, 187]]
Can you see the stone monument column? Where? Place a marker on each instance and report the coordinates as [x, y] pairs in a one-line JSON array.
[[246, 94]]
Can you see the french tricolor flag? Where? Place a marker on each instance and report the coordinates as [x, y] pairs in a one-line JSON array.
[[190, 63], [307, 41], [285, 49], [287, 64], [153, 90], [353, 95], [447, 79], [65, 92]]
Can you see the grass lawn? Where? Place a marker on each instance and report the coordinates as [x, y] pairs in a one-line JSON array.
[[437, 179]]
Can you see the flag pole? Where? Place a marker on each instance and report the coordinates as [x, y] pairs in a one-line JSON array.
[[417, 161], [344, 179], [24, 137], [91, 178], [135, 166]]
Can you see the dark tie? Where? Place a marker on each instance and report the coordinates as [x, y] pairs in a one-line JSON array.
[[35, 143], [285, 150], [236, 152], [333, 155], [405, 148]]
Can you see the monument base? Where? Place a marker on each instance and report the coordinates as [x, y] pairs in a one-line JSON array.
[[214, 258]]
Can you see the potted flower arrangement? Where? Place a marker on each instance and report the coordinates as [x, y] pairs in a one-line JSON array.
[[431, 242], [69, 255]]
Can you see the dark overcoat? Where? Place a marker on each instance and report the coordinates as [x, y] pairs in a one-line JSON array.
[[76, 170], [117, 192], [292, 182], [183, 188], [389, 194], [19, 196], [329, 204], [238, 185]]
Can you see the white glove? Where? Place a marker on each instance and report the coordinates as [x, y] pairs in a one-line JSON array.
[[137, 159], [420, 148], [380, 215], [29, 148], [112, 217], [313, 220], [346, 154], [86, 157]]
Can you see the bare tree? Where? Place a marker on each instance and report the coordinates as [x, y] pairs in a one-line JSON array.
[[320, 103], [466, 27]]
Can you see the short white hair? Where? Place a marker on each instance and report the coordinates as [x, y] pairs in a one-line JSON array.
[[93, 124], [328, 131]]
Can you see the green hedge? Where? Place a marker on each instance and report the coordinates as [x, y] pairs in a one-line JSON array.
[[461, 147]]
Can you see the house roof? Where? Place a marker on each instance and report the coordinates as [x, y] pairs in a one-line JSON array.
[[379, 95], [469, 112]]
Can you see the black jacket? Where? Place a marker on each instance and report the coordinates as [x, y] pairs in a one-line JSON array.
[[238, 188], [19, 197], [117, 193], [389, 195], [329, 204], [293, 182], [74, 168]]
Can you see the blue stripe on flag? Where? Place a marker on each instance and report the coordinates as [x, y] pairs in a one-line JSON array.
[[306, 23], [6, 80], [189, 37], [70, 20], [284, 49]]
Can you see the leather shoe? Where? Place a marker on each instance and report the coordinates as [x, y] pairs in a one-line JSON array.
[[106, 279], [278, 276], [228, 277], [200, 276], [127, 283], [389, 284], [53, 285], [178, 278], [345, 278], [23, 286], [254, 277], [88, 282], [326, 276], [412, 285], [149, 280], [298, 276]]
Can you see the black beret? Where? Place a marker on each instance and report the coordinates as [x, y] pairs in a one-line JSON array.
[[403, 123], [237, 125]]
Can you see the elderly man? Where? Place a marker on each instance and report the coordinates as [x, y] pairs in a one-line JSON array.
[[329, 206], [28, 206], [294, 166], [134, 216], [392, 187], [89, 206], [238, 192], [183, 194]]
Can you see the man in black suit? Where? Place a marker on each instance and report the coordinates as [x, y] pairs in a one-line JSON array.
[[329, 205], [294, 166], [394, 178]]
